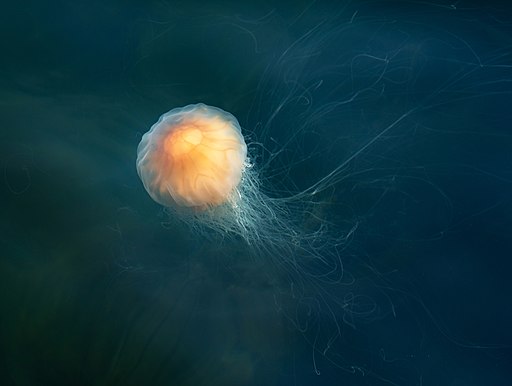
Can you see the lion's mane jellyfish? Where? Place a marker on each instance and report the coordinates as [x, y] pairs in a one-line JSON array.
[[194, 162]]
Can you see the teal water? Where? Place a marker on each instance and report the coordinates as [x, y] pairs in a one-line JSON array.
[[100, 286]]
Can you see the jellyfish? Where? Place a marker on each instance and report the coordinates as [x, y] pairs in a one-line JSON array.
[[195, 163]]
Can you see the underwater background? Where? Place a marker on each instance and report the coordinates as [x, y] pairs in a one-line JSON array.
[[410, 102]]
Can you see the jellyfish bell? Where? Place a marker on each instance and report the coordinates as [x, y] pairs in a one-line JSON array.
[[192, 157]]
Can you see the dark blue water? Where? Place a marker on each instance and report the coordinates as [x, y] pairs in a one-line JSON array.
[[413, 99]]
